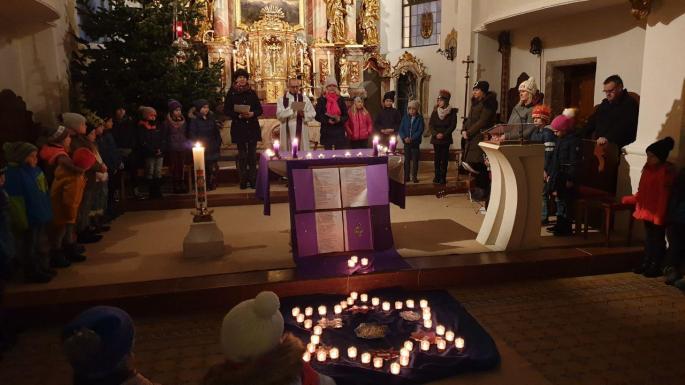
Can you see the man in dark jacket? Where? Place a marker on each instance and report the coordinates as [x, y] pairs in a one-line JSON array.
[[245, 130], [125, 135], [615, 119], [388, 120]]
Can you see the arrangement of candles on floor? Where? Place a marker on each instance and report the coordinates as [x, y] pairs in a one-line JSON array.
[[354, 261], [317, 351]]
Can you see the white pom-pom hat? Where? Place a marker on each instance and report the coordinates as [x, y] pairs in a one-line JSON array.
[[529, 85], [252, 328]]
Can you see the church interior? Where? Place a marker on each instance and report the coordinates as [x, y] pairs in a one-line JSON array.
[[342, 192]]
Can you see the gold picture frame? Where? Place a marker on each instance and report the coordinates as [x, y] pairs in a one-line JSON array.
[[253, 14]]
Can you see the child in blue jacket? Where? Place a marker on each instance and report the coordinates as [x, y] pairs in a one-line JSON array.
[[411, 131]]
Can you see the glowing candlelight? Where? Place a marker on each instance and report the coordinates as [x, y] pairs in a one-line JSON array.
[[440, 330], [404, 352], [449, 335], [337, 309], [318, 330], [334, 353], [386, 306], [423, 303], [300, 318], [307, 324], [354, 295], [409, 345], [393, 144], [366, 358], [375, 301], [365, 261], [360, 154], [459, 344], [296, 311], [410, 303], [377, 362], [347, 154], [321, 355], [398, 305], [295, 146], [309, 155], [354, 258], [311, 348], [350, 301], [306, 357], [321, 156], [427, 323], [395, 368], [308, 311], [376, 139], [277, 147], [404, 361], [364, 297], [426, 316], [442, 344], [352, 352], [425, 345], [343, 304], [351, 263], [200, 178], [315, 339], [322, 310]]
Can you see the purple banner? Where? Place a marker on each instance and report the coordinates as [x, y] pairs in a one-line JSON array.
[[305, 227], [377, 184], [303, 186], [359, 231]]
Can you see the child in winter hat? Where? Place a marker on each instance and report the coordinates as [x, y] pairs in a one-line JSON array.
[[98, 344], [256, 350], [75, 123]]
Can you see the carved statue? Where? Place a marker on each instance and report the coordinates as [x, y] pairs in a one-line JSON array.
[[344, 70], [640, 8], [306, 71], [336, 13], [369, 21]]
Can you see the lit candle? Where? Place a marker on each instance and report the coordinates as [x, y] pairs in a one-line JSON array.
[[376, 139], [393, 144], [300, 318], [306, 357], [459, 344], [322, 310], [404, 352], [354, 295], [296, 311], [334, 353], [366, 358], [347, 154], [386, 306], [426, 316], [395, 368], [343, 304], [337, 309], [321, 156], [365, 261], [410, 303], [200, 178], [311, 348], [307, 324], [309, 155], [360, 154], [350, 301], [379, 150], [377, 362], [277, 147], [375, 301], [426, 310], [352, 352], [321, 355], [409, 345], [440, 330], [364, 297], [351, 263], [427, 323], [442, 344], [425, 345], [423, 303], [404, 361], [354, 258], [315, 339], [449, 335], [398, 305], [318, 330], [308, 311], [294, 146]]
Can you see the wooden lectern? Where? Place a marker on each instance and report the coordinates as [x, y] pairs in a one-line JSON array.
[[512, 221]]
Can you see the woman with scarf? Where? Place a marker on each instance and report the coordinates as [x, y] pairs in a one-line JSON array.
[[442, 123], [245, 130], [331, 112]]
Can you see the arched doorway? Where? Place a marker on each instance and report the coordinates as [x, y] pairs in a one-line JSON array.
[[411, 82]]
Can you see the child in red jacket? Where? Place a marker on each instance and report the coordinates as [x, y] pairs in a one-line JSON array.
[[651, 203]]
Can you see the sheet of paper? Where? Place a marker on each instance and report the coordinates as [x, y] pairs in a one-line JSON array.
[[241, 108], [326, 188], [298, 106], [330, 232], [353, 186]]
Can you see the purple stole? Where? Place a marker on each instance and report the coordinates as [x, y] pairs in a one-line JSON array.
[[298, 124]]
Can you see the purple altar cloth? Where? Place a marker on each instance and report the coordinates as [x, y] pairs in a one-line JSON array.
[[479, 354]]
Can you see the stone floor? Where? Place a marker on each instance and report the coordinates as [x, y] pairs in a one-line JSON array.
[[611, 329]]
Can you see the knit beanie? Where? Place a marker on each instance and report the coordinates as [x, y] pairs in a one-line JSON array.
[[16, 152], [93, 120], [199, 103], [146, 112], [390, 95], [661, 148], [173, 104], [240, 72], [482, 85], [444, 95], [530, 86], [565, 121], [330, 81], [252, 328], [84, 158], [543, 112], [56, 135], [73, 121], [98, 340]]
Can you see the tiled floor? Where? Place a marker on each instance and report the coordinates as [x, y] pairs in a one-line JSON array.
[[612, 329]]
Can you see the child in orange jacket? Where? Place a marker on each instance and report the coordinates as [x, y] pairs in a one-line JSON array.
[[651, 204]]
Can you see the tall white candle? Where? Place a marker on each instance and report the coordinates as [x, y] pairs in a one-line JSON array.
[[200, 178], [294, 147]]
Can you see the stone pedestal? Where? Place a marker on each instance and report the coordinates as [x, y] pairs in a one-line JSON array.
[[204, 240], [512, 221]]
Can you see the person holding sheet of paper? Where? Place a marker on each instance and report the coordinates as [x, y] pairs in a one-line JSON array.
[[294, 110], [242, 106], [331, 112]]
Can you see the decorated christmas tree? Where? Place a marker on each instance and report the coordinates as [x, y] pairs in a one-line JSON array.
[[130, 55]]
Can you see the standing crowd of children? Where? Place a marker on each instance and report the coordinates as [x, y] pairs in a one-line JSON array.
[[62, 191]]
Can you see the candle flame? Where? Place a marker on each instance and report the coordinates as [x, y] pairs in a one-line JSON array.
[[198, 145]]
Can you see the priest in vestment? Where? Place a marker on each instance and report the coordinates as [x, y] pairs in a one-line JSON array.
[[294, 123]]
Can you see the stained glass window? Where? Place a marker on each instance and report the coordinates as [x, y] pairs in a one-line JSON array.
[[420, 23]]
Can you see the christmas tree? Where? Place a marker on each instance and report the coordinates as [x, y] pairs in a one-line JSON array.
[[129, 58]]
